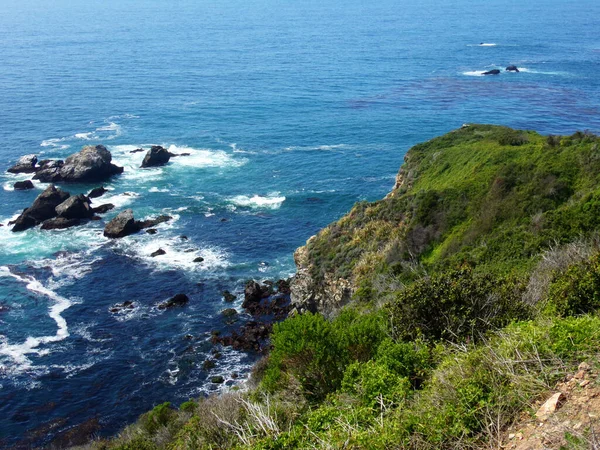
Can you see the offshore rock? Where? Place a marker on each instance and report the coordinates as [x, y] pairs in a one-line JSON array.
[[25, 164], [59, 223], [75, 207], [158, 252], [49, 171], [253, 293], [156, 156], [92, 163], [149, 223], [122, 225], [97, 192], [177, 300], [512, 69], [23, 185], [103, 208], [492, 72], [43, 208]]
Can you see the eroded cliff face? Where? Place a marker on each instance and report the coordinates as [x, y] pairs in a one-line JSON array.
[[307, 294]]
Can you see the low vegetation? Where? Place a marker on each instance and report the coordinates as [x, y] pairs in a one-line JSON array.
[[477, 290]]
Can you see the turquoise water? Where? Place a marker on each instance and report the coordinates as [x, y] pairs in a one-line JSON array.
[[292, 111]]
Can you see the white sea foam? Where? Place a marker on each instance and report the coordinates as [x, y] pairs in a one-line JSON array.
[[155, 189], [119, 200], [272, 201], [203, 158], [17, 352], [487, 44], [55, 143]]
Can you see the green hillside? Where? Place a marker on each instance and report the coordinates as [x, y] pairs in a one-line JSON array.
[[476, 289]]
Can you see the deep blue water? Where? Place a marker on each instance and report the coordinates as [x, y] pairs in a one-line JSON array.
[[292, 111]]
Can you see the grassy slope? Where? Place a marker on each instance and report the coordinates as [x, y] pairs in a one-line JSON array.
[[479, 320]]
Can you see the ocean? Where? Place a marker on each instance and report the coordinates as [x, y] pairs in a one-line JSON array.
[[291, 113]]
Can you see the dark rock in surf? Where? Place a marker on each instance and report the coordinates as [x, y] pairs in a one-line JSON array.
[[25, 164], [228, 296], [149, 223], [512, 69], [122, 225], [137, 150], [492, 72], [152, 231], [217, 380], [49, 171], [283, 287], [174, 155], [177, 300], [75, 207], [23, 185], [156, 156], [158, 252], [199, 259], [97, 192], [59, 223], [92, 163], [253, 293], [43, 208], [103, 208]]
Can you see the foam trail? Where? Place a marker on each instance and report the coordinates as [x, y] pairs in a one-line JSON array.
[[18, 351], [273, 201]]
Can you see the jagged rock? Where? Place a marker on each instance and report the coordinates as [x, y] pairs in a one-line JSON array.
[[122, 225], [23, 185], [75, 207], [199, 259], [492, 72], [103, 208], [549, 406], [49, 171], [156, 156], [228, 296], [59, 223], [158, 252], [43, 208], [149, 223], [512, 69], [92, 163], [177, 300], [283, 286], [97, 192], [25, 164], [128, 304], [253, 293]]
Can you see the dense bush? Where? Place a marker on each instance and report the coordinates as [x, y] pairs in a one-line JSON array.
[[456, 305]]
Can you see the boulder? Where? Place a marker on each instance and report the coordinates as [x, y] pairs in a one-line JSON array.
[[229, 312], [43, 208], [158, 252], [92, 163], [23, 185], [122, 225], [75, 207], [156, 156], [149, 223], [177, 300], [217, 380], [199, 259], [253, 293], [49, 171], [59, 223], [512, 69], [228, 296], [103, 208], [97, 192], [25, 164], [492, 72], [151, 231]]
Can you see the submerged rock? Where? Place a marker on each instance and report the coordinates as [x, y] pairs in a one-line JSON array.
[[137, 150], [75, 207], [151, 231], [156, 156], [23, 185], [149, 223], [177, 300], [97, 192], [199, 259], [43, 208], [92, 163], [492, 72], [122, 225], [228, 296], [25, 164], [103, 208], [512, 69], [158, 252]]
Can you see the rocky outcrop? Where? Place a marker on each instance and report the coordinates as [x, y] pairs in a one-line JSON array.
[[512, 69], [149, 223], [75, 207], [177, 300], [43, 208], [23, 185], [92, 163], [254, 293], [25, 164], [492, 72], [122, 225], [158, 252], [325, 296], [156, 156]]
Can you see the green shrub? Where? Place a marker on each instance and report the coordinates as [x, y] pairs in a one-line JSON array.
[[456, 305], [158, 417], [373, 383]]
